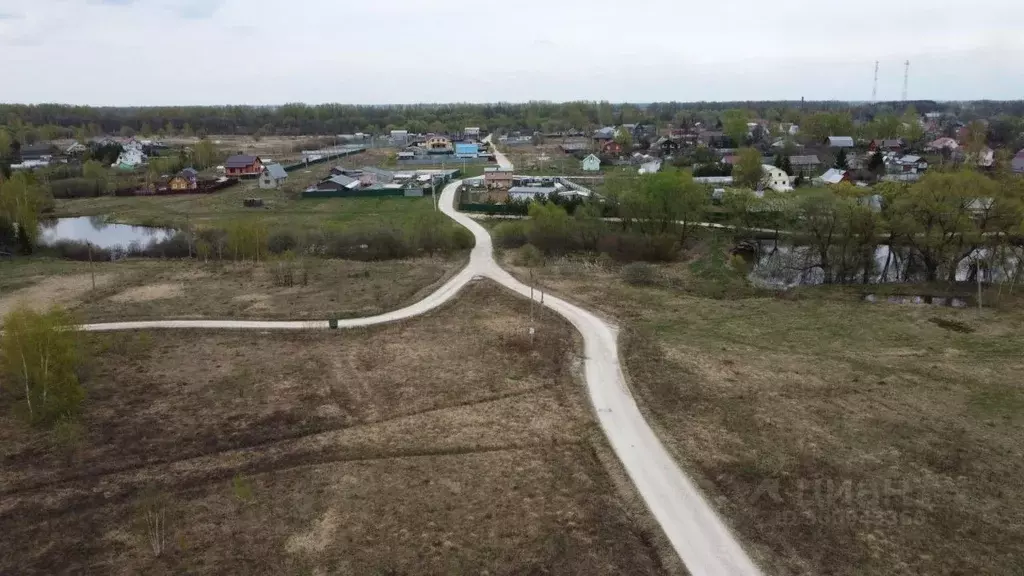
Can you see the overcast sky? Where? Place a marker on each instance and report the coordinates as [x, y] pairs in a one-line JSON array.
[[149, 52]]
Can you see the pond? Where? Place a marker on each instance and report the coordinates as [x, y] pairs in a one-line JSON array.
[[100, 233]]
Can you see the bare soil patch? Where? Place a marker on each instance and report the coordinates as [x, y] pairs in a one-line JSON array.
[[837, 436], [148, 293], [446, 444], [44, 292]]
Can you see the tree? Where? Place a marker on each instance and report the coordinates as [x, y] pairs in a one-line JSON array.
[[625, 139], [549, 228], [21, 203], [748, 170], [841, 161], [912, 132], [40, 357], [734, 124], [204, 154], [146, 130], [787, 165], [876, 164], [127, 131]]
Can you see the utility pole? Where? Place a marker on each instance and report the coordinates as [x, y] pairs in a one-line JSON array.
[[874, 87], [906, 78]]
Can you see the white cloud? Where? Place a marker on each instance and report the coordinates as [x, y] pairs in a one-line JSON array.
[[266, 51]]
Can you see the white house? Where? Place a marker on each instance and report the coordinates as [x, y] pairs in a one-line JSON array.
[[776, 178], [591, 163], [273, 175], [131, 157], [652, 167]]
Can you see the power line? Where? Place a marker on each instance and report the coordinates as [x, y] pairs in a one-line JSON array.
[[874, 88], [906, 78]]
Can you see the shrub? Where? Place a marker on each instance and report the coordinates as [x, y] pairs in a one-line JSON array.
[[529, 256], [77, 188], [282, 241], [510, 234], [631, 247], [550, 229], [638, 274], [176, 246]]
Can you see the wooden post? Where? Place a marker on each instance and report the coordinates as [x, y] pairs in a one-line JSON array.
[[92, 269], [977, 276]]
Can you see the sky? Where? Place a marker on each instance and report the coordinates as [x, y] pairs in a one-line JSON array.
[[265, 52]]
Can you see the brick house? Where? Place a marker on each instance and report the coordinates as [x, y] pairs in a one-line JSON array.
[[241, 165]]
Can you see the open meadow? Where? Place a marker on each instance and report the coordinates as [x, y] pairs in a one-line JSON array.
[[837, 436], [139, 289], [452, 443]]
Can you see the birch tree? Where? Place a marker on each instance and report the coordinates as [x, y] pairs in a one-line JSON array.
[[40, 356]]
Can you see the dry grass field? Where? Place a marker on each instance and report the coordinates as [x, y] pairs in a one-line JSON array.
[[178, 289], [448, 444], [837, 436]]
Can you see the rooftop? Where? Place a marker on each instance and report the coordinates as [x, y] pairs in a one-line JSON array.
[[240, 161], [276, 171]]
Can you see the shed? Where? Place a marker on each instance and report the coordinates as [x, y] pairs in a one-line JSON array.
[[591, 163]]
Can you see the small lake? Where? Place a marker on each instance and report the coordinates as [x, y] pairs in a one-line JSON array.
[[97, 231]]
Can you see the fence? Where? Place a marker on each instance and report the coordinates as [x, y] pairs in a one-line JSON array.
[[357, 193], [448, 161]]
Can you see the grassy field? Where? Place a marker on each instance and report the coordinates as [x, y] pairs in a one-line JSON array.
[[837, 436], [172, 289], [444, 445], [283, 207]]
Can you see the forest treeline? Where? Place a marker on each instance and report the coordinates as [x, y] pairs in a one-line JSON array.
[[48, 121]]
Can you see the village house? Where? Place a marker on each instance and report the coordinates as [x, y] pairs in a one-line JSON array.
[[612, 148], [890, 145], [272, 176], [471, 133], [572, 147], [243, 165], [591, 163], [497, 177], [437, 144], [187, 179], [667, 146], [606, 134], [806, 163], [775, 178], [131, 156]]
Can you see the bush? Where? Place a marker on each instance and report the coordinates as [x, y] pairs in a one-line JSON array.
[[77, 188], [511, 234], [282, 241], [550, 229], [632, 247], [529, 256], [638, 274], [176, 246]]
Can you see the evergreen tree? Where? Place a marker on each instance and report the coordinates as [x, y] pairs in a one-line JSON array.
[[841, 159]]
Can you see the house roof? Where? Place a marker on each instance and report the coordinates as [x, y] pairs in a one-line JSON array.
[[532, 190], [887, 142], [188, 173], [810, 160], [276, 171], [910, 159], [240, 161], [592, 156], [343, 180], [833, 176], [607, 132], [1019, 155], [840, 141]]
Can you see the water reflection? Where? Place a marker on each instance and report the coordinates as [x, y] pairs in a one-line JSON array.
[[97, 231], [779, 265]]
